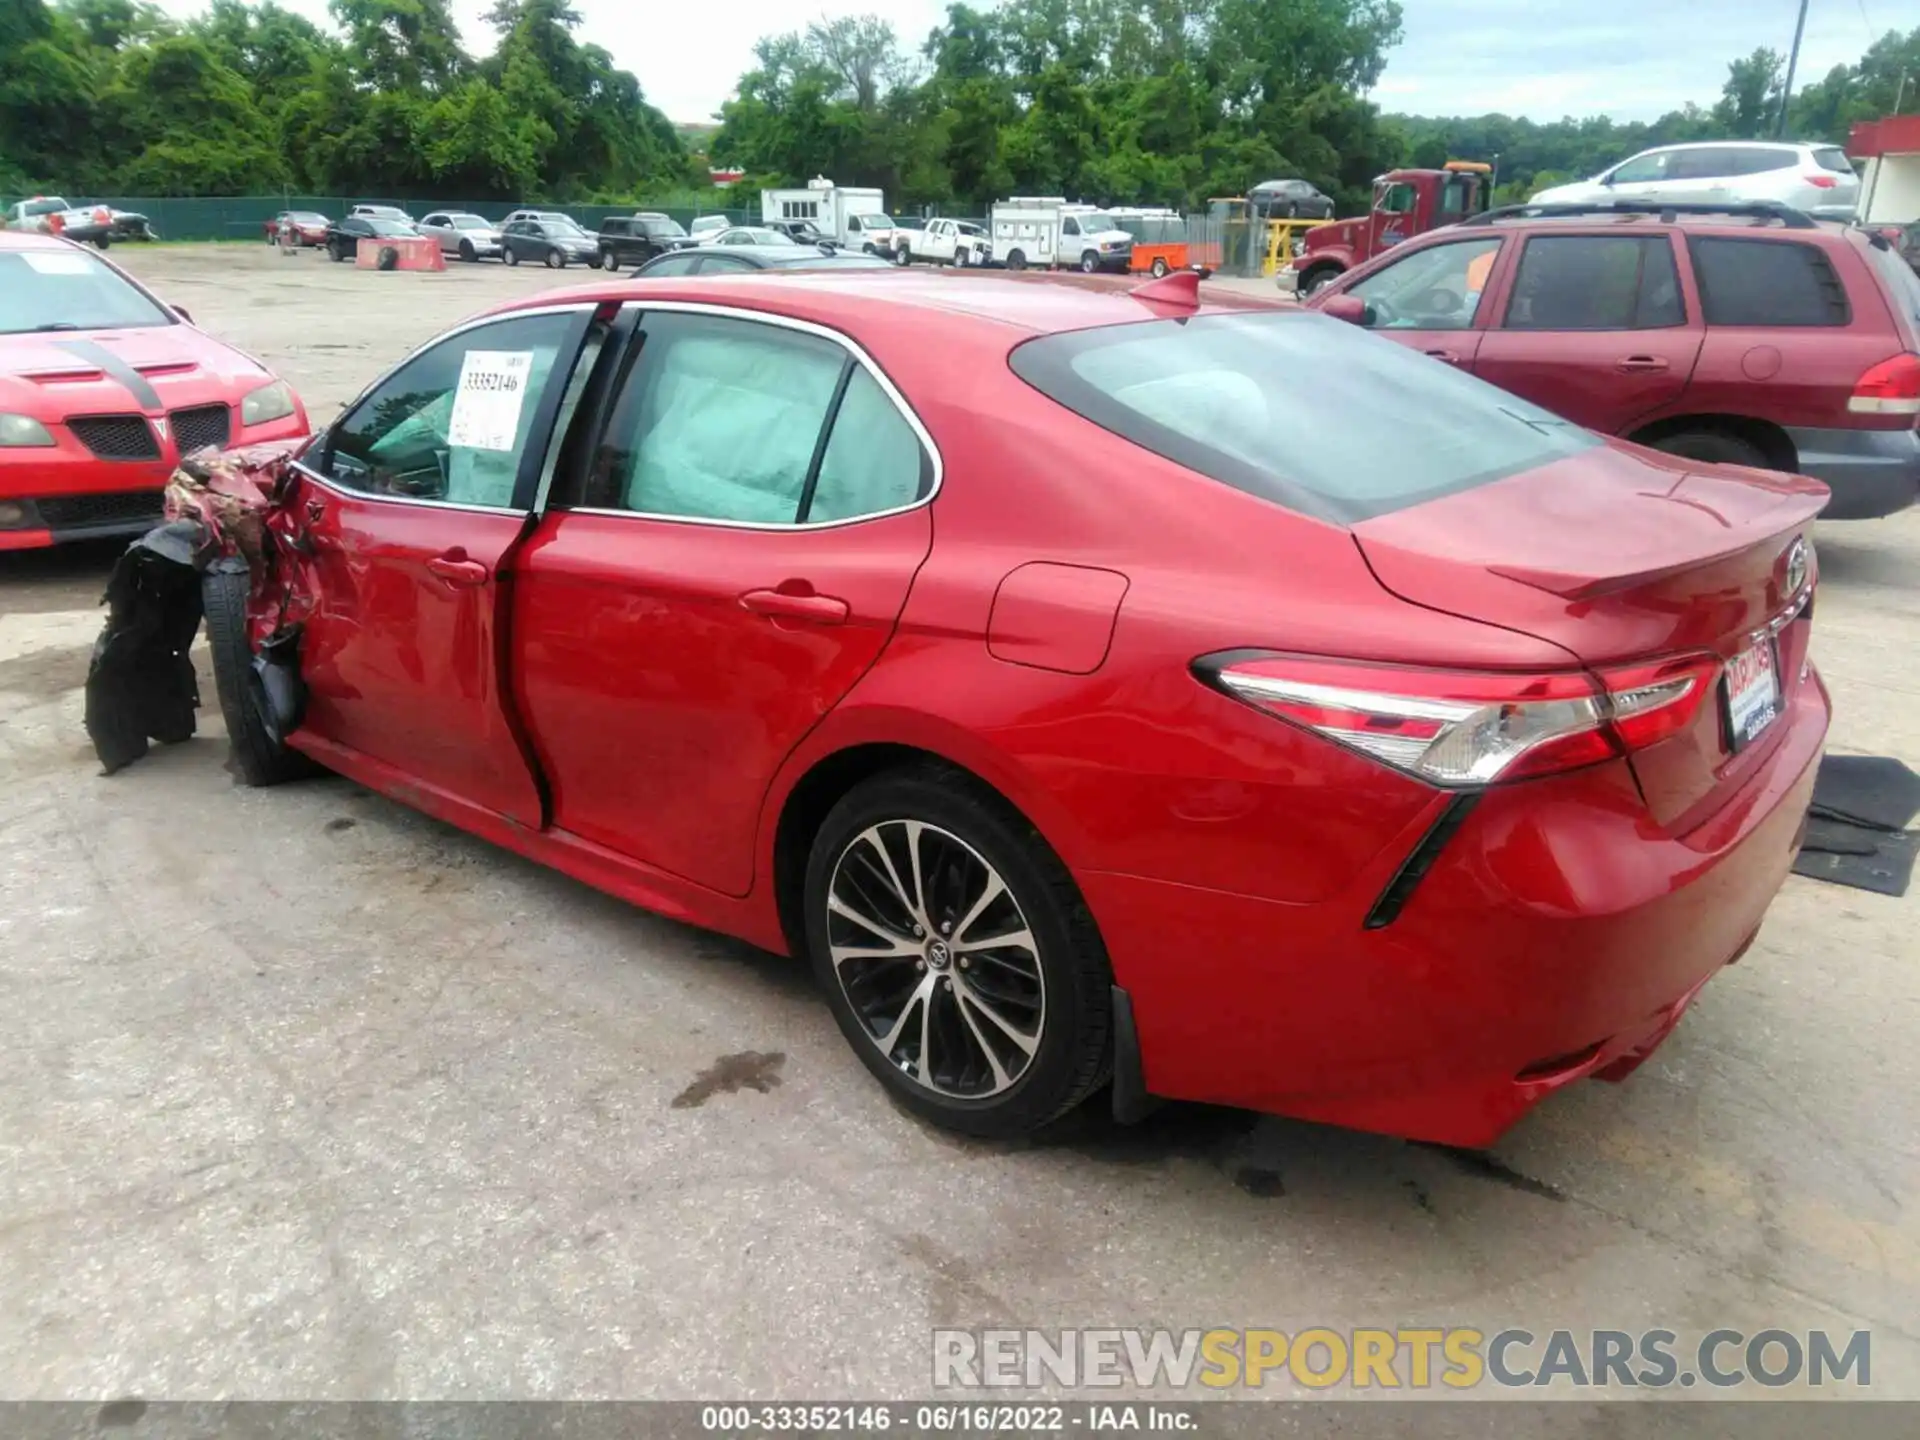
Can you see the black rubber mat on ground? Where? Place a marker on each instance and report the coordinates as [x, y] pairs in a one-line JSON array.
[[1866, 790], [1886, 868]]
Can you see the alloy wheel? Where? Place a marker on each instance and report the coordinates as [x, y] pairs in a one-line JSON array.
[[936, 959]]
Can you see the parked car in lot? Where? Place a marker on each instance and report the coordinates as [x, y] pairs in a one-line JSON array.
[[102, 389], [636, 239], [391, 213], [344, 236], [993, 701], [555, 241], [1289, 199], [471, 237], [707, 226], [1748, 336], [735, 259], [803, 232], [752, 235], [309, 227], [1722, 171]]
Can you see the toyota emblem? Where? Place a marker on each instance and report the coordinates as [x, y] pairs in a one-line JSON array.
[[1797, 560]]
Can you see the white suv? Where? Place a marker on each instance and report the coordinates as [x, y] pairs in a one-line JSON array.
[[1806, 177]]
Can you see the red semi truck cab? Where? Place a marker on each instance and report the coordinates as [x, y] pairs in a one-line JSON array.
[[1405, 203]]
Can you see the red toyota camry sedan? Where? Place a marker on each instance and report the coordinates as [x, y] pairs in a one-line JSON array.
[[102, 389], [1100, 687]]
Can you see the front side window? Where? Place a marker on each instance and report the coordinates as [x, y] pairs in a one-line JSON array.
[[1436, 288], [723, 421], [1595, 282], [1706, 162], [1645, 168], [1767, 282], [452, 423], [435, 220], [1070, 226], [63, 289], [1454, 196], [1298, 409]]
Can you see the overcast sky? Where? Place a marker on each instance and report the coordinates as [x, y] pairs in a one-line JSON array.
[[1632, 59]]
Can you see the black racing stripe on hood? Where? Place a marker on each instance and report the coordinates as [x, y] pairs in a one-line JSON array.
[[131, 379]]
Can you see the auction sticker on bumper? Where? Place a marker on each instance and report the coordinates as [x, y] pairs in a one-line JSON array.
[[1753, 692]]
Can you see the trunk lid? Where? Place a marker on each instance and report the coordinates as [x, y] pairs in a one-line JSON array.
[[1622, 555]]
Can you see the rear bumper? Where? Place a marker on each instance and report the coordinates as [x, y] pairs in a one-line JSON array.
[[1560, 934], [1871, 472]]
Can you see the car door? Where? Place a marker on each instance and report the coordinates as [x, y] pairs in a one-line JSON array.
[[1433, 298], [412, 502], [1594, 327], [722, 570]]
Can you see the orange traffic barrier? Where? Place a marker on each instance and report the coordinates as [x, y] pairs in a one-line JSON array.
[[413, 252]]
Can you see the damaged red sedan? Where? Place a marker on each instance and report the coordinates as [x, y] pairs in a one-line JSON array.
[[1102, 689], [102, 389]]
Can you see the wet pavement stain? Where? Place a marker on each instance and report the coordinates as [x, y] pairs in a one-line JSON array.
[[117, 1414], [47, 674], [1481, 1165], [341, 822], [755, 1070], [1259, 1181]]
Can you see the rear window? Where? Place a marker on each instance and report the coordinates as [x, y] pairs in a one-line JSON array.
[[1900, 282], [1832, 157], [1308, 412], [1767, 282]]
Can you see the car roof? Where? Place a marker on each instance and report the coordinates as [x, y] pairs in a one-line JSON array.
[[1738, 145], [1647, 220], [32, 240], [829, 295]]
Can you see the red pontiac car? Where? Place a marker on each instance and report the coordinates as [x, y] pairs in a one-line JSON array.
[[102, 389], [1096, 686], [1750, 335]]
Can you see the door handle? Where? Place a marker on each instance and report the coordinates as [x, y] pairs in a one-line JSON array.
[[1642, 365], [456, 569], [1443, 355], [796, 604]]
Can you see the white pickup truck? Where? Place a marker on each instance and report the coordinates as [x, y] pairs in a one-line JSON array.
[[93, 224], [943, 242]]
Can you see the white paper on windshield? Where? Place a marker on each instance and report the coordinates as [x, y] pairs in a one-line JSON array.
[[486, 406], [57, 264]]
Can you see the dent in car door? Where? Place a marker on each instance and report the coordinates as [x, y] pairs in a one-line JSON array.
[[752, 526], [412, 507], [1594, 328]]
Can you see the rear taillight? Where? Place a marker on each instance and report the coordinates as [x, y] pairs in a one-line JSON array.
[[1819, 182], [1461, 729], [1890, 388]]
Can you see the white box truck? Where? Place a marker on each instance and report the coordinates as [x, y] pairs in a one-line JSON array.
[[854, 215], [1047, 231]]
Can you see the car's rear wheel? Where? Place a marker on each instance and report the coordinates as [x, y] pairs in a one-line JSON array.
[[1159, 266], [337, 251], [467, 252], [956, 952], [1089, 262], [259, 758], [1017, 260], [1714, 446]]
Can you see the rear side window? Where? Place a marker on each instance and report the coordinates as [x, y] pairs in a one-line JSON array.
[[1759, 159], [1704, 163], [1299, 409], [1595, 282], [1767, 282], [1831, 157]]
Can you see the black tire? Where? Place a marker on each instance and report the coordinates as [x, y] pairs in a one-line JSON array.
[[1314, 279], [903, 256], [1089, 262], [388, 258], [258, 759], [337, 252], [1714, 446], [467, 252], [556, 259], [101, 242], [1073, 1054], [610, 261], [1159, 266], [1017, 260], [512, 256]]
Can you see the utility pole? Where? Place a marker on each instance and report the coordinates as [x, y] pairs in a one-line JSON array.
[[1793, 63]]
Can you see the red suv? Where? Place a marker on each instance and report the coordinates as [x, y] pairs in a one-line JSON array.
[[1750, 335]]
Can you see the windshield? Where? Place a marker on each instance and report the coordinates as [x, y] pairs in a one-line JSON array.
[[876, 222], [1300, 409], [43, 207], [387, 229], [669, 228], [564, 228], [471, 222], [1903, 284], [66, 290], [308, 217], [1092, 222]]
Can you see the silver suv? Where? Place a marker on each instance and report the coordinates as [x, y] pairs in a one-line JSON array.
[[1806, 177], [461, 233]]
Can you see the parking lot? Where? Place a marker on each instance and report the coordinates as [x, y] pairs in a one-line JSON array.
[[303, 1094]]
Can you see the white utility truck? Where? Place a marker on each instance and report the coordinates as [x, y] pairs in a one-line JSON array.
[[854, 215], [1044, 230]]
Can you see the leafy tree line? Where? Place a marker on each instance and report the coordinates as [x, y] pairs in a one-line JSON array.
[[114, 97], [1125, 101], [1174, 101]]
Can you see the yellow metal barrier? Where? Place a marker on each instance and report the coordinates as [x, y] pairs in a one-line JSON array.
[[1280, 237]]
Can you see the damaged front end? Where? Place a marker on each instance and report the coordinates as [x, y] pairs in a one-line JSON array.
[[225, 555]]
